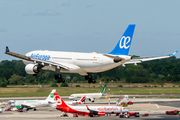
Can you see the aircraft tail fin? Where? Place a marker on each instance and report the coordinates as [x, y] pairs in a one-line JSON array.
[[124, 44], [59, 102], [51, 95], [103, 92], [82, 100]]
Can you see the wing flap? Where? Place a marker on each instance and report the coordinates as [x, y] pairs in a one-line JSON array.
[[113, 57]]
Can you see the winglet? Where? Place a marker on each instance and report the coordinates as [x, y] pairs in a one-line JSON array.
[[174, 53], [7, 49], [87, 107]]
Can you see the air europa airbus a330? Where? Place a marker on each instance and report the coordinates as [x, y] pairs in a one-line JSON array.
[[83, 63]]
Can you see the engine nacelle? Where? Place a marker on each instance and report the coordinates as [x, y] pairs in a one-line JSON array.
[[32, 68], [101, 113]]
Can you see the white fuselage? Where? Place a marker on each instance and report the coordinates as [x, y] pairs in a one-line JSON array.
[[88, 96], [77, 62], [106, 109], [30, 103]]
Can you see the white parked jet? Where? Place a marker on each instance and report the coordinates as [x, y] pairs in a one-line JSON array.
[[90, 96], [32, 104], [82, 63]]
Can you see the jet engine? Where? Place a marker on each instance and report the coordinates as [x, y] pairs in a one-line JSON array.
[[91, 99], [32, 68]]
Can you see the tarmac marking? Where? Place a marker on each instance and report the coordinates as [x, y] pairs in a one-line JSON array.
[[157, 105]]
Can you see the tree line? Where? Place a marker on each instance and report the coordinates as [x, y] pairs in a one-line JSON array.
[[157, 71]]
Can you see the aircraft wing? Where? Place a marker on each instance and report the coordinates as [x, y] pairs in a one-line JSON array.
[[35, 60], [17, 55], [66, 66], [142, 59]]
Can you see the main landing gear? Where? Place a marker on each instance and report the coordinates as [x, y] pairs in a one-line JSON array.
[[58, 77], [89, 78]]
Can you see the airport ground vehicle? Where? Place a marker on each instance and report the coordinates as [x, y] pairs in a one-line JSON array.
[[174, 112], [136, 114], [130, 103], [124, 104]]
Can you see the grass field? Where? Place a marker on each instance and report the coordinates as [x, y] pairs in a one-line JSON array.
[[66, 91]]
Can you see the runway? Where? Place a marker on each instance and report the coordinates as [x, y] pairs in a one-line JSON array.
[[155, 107]]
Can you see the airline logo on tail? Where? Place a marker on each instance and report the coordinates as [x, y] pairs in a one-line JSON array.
[[104, 90], [82, 99], [125, 41], [58, 101]]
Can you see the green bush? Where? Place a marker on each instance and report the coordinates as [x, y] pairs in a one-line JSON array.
[[77, 86], [64, 85], [120, 85], [54, 85], [3, 84]]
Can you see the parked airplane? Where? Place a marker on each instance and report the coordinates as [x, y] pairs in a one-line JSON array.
[[31, 104], [87, 110], [90, 96], [82, 63]]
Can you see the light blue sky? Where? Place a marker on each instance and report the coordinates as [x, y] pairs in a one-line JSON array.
[[89, 25]]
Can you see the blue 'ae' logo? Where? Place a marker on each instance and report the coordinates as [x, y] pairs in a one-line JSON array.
[[40, 57], [124, 41]]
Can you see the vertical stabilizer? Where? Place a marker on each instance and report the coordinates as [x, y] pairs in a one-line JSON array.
[[82, 100], [59, 102], [51, 95], [124, 44], [103, 92]]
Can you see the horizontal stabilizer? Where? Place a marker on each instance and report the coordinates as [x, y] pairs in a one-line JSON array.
[[113, 56]]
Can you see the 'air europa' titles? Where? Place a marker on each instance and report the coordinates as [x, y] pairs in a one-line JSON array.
[[40, 57], [108, 109]]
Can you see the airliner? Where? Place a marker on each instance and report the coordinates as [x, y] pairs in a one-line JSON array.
[[87, 110], [83, 63], [33, 104], [90, 96]]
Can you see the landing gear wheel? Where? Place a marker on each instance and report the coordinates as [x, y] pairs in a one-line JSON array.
[[58, 77], [59, 80], [86, 77], [89, 81], [63, 80], [93, 81], [34, 109], [90, 77]]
